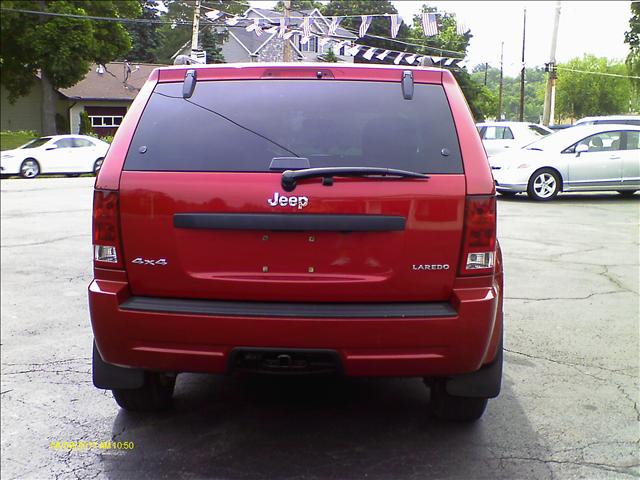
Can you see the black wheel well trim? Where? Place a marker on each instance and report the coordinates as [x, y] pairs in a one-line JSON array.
[[560, 189]]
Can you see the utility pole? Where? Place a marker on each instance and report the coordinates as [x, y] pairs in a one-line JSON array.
[[524, 31], [550, 93], [486, 67], [286, 47], [500, 91], [196, 27]]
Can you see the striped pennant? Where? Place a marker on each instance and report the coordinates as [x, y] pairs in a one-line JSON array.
[[429, 24], [461, 28], [369, 53], [306, 30], [383, 55], [282, 29], [395, 25], [398, 58], [232, 21], [333, 26], [364, 26], [410, 59], [353, 51], [255, 27]]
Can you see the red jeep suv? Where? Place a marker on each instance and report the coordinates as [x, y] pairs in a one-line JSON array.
[[297, 218]]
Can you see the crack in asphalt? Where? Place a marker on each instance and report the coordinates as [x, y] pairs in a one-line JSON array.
[[573, 365], [621, 469], [45, 242], [532, 299]]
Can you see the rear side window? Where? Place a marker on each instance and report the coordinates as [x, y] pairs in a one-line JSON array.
[[240, 126], [497, 133]]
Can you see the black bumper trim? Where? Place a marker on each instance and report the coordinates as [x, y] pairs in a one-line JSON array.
[[289, 222], [289, 310]]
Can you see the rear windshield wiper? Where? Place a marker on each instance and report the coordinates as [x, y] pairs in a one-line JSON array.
[[290, 178]]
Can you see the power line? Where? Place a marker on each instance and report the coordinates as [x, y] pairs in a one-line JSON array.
[[597, 73], [93, 17]]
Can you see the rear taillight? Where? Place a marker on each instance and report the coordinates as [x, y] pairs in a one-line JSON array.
[[479, 241], [107, 251]]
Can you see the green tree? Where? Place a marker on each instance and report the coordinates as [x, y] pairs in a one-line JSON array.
[[58, 49], [330, 56], [298, 5], [211, 42], [632, 38], [582, 94], [145, 37]]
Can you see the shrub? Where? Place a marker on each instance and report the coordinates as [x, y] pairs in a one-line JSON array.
[[85, 124]]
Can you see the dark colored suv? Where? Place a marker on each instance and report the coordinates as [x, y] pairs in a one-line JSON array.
[[297, 218]]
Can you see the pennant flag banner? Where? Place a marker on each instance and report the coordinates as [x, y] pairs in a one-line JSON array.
[[383, 55], [410, 59], [323, 41], [283, 27], [429, 24], [364, 26], [306, 29], [333, 26], [369, 53], [398, 58], [395, 25], [213, 14], [461, 28], [232, 21], [255, 27], [353, 51]]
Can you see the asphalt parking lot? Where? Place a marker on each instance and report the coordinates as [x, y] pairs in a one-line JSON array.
[[569, 406]]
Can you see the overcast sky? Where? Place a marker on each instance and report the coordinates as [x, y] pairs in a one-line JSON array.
[[585, 27]]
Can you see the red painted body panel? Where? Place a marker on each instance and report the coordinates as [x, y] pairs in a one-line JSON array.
[[350, 267], [229, 265], [372, 347]]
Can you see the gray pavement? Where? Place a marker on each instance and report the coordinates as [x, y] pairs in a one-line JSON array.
[[569, 406]]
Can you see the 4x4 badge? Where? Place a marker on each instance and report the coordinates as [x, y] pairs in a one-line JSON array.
[[284, 201], [144, 261]]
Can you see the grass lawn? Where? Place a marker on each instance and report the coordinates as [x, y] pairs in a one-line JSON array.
[[10, 140]]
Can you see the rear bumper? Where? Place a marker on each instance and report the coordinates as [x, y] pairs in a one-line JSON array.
[[453, 338]]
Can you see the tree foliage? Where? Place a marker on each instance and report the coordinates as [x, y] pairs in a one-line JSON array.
[[583, 94], [59, 49], [632, 38], [298, 5], [146, 38]]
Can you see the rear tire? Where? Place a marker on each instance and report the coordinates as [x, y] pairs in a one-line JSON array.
[[456, 409], [626, 193], [29, 168], [96, 165], [154, 396], [544, 185]]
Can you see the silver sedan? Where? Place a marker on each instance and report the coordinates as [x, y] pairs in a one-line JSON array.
[[581, 158]]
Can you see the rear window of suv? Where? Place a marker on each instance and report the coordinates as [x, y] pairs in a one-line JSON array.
[[240, 126]]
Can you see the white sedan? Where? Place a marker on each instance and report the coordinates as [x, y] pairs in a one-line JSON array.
[[67, 154], [497, 137], [581, 158]]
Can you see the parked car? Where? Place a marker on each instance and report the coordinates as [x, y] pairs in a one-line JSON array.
[[610, 119], [66, 154], [302, 219], [581, 158], [499, 136]]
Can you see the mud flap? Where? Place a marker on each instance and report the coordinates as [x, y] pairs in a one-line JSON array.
[[109, 376], [484, 383]]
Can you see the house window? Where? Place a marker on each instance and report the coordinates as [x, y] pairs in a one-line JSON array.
[[310, 46], [105, 120]]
